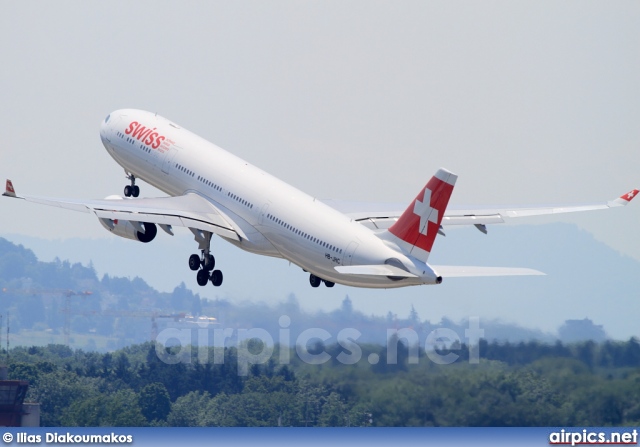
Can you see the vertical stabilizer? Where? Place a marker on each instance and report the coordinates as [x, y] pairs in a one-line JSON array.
[[417, 228]]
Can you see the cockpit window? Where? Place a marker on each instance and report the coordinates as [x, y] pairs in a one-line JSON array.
[[106, 120]]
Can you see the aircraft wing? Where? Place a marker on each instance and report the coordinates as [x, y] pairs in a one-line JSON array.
[[382, 216], [189, 210]]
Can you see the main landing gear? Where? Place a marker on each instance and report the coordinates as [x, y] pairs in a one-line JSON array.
[[204, 263], [315, 281], [133, 189]]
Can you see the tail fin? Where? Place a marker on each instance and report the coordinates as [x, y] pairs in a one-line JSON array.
[[418, 226]]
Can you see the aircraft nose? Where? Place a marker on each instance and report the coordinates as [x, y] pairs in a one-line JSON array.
[[104, 127], [108, 125]]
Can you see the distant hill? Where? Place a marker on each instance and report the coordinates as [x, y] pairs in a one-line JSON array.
[[585, 279], [47, 297]]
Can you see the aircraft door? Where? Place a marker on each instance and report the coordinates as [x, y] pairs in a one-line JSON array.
[[347, 259], [168, 158], [263, 213]]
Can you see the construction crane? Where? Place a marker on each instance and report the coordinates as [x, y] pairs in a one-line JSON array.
[[154, 315], [67, 293], [68, 311]]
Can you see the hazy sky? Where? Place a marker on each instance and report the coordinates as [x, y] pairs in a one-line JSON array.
[[528, 102]]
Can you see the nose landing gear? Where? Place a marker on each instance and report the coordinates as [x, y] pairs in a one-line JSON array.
[[133, 189]]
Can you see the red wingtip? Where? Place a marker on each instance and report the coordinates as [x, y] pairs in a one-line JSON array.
[[630, 195], [9, 189]]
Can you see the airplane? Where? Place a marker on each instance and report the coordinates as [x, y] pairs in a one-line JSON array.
[[211, 191]]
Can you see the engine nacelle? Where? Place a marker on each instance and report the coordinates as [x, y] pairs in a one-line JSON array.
[[129, 230], [137, 231]]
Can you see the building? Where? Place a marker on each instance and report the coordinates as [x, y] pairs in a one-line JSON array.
[[13, 411]]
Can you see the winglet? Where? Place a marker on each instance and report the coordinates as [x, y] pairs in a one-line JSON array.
[[9, 190], [624, 199]]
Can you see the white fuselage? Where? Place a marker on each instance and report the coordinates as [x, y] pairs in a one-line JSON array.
[[277, 219]]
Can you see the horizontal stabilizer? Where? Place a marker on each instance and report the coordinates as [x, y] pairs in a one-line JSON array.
[[455, 271], [374, 270]]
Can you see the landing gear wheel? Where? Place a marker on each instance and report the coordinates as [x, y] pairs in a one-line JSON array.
[[314, 280], [132, 189], [216, 278], [194, 262], [203, 277], [205, 262], [329, 283], [209, 264]]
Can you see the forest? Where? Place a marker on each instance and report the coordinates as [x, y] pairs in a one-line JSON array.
[[524, 384]]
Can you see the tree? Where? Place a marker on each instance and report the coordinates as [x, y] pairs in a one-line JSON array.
[[57, 391], [334, 412], [120, 409], [632, 352], [188, 410], [414, 319], [154, 401], [183, 298]]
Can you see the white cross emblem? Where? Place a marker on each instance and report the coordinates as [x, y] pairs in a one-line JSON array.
[[425, 211], [631, 195]]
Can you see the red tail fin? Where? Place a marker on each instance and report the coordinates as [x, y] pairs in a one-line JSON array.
[[419, 224]]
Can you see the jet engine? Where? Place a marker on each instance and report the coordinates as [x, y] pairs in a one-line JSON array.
[[138, 231]]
